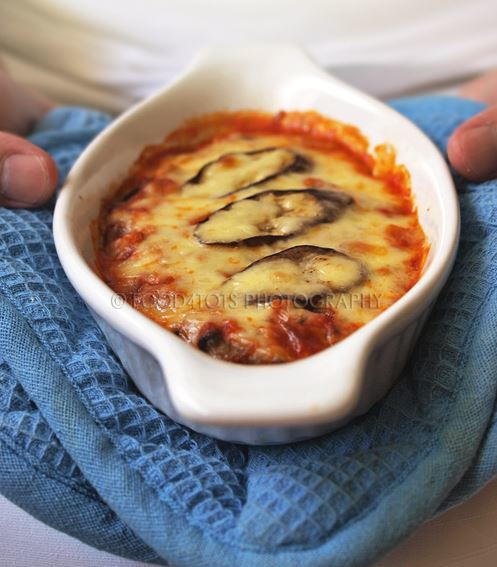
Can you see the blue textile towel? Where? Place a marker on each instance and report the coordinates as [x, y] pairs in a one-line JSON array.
[[81, 450]]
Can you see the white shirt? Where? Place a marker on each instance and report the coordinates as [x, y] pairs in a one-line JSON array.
[[108, 54]]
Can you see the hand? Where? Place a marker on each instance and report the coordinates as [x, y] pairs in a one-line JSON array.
[[28, 175], [472, 148]]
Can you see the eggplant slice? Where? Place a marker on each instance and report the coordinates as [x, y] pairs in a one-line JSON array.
[[304, 274], [271, 215], [235, 171]]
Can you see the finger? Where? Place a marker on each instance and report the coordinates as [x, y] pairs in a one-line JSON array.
[[20, 107], [472, 148], [482, 89], [28, 175]]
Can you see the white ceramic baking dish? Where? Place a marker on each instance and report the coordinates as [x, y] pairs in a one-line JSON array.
[[257, 404]]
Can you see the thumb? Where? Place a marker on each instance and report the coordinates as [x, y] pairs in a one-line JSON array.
[[28, 175], [472, 148]]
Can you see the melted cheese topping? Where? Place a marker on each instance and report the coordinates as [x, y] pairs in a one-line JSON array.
[[249, 218], [235, 171], [284, 278], [163, 246]]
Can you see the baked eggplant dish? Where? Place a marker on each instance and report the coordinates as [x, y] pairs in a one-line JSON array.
[[261, 238]]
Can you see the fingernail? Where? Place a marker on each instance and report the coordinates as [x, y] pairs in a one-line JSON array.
[[23, 178], [478, 146]]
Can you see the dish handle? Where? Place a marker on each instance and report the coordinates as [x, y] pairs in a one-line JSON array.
[[261, 63]]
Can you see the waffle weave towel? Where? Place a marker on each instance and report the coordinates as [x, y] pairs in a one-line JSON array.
[[81, 450]]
